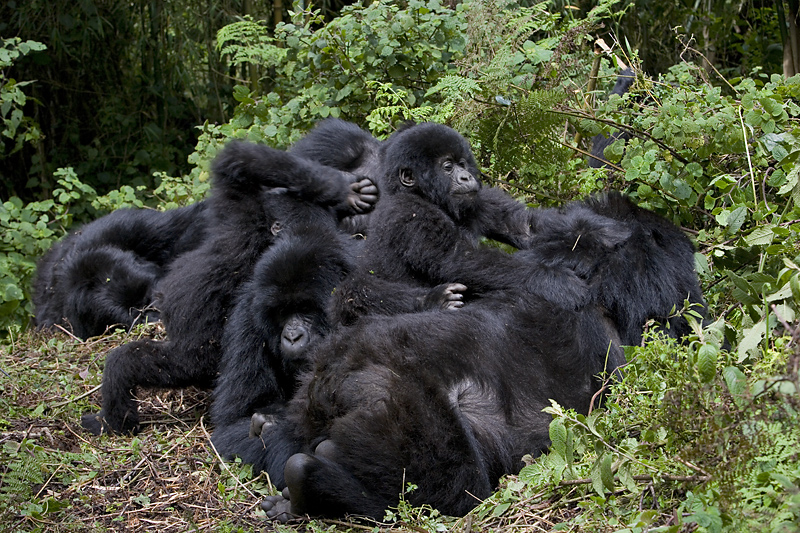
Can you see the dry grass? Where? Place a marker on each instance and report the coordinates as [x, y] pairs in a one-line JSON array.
[[56, 477]]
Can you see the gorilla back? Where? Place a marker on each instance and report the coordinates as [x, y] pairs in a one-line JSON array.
[[104, 273]]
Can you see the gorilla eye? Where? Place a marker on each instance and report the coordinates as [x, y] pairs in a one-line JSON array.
[[447, 166]]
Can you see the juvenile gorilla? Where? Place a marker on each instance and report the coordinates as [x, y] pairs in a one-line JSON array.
[[105, 273], [648, 276], [279, 316], [257, 191], [342, 145], [426, 230], [452, 401]]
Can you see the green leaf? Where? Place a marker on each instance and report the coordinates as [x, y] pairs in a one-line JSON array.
[[707, 362], [735, 380], [558, 437], [761, 236], [751, 339], [606, 474], [736, 219], [794, 284]]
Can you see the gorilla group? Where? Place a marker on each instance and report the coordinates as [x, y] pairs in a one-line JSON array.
[[345, 367], [257, 193]]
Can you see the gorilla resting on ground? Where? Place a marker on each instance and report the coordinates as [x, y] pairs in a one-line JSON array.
[[257, 191], [447, 401], [344, 146], [105, 273], [452, 401], [280, 315]]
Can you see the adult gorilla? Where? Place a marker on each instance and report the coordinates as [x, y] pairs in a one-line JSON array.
[[257, 192]]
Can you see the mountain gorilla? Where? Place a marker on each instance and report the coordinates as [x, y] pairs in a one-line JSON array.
[[452, 401], [279, 315], [427, 230], [344, 146], [105, 273], [648, 276], [257, 191]]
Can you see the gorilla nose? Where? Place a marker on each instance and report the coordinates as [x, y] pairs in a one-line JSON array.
[[294, 339]]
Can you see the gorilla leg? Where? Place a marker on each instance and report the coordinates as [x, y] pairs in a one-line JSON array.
[[267, 452], [144, 363], [318, 486]]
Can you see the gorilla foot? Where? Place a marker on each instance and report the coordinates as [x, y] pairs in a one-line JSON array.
[[96, 424], [259, 422], [279, 508]]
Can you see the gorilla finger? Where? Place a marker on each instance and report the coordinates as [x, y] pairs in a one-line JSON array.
[[456, 289], [258, 423], [359, 206]]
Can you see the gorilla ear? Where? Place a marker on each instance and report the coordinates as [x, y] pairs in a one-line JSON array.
[[407, 178], [276, 227]]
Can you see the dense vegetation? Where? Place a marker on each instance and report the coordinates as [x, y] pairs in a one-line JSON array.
[[702, 436]]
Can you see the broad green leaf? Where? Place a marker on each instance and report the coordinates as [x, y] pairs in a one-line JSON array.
[[707, 362], [558, 437], [761, 236], [751, 339]]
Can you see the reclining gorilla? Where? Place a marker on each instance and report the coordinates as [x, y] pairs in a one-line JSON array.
[[280, 314], [257, 191], [105, 273], [452, 401]]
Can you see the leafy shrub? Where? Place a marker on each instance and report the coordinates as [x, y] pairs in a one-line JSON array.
[[16, 126]]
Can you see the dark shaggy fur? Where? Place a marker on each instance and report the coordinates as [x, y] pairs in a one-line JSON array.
[[423, 235], [344, 146], [447, 401], [257, 191], [452, 401], [279, 316], [105, 273], [647, 276]]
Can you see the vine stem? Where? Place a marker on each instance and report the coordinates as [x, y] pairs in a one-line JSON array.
[[749, 161]]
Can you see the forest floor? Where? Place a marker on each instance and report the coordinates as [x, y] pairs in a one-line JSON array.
[[168, 478]]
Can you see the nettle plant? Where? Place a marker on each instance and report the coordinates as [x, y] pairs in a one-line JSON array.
[[311, 70], [722, 162]]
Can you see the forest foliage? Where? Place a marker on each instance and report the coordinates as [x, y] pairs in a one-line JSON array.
[[715, 150]]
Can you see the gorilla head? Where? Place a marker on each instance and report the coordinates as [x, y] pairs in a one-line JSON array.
[[451, 182]]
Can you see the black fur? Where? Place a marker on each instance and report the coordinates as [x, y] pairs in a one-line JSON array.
[[344, 146], [257, 191], [423, 236], [105, 273], [280, 314], [647, 276], [452, 401], [447, 401]]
